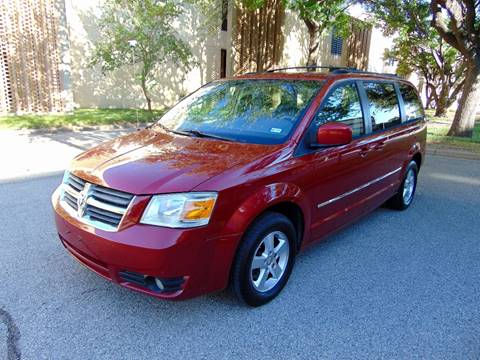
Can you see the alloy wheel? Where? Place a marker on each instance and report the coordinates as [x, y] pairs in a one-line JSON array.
[[409, 187], [269, 261]]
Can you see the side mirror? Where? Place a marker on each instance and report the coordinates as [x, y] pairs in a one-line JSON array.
[[333, 134]]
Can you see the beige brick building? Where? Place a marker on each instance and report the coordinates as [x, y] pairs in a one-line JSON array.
[[46, 45]]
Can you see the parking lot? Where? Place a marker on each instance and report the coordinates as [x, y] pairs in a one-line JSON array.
[[393, 285]]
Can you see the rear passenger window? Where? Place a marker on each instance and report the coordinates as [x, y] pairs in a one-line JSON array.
[[413, 106], [342, 105], [383, 103]]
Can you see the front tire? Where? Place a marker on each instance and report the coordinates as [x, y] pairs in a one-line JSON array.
[[264, 259], [404, 196]]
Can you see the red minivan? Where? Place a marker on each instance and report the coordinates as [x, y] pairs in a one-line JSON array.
[[236, 178]]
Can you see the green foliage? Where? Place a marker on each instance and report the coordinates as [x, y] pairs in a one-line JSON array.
[[326, 14], [80, 117], [149, 24], [408, 21], [252, 4], [438, 129], [319, 16], [417, 47], [458, 23]]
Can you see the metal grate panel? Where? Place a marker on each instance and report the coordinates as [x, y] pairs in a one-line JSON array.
[[258, 38], [29, 57]]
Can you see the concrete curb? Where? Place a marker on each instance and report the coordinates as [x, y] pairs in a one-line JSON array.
[[440, 150], [73, 129], [26, 177]]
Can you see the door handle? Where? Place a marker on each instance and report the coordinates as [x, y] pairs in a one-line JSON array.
[[379, 146], [364, 151]]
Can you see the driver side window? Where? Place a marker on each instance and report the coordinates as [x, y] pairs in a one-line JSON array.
[[342, 105]]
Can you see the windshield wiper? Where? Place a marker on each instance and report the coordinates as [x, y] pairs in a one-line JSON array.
[[191, 132], [198, 133], [170, 130]]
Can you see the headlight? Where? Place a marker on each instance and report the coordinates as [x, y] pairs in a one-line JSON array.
[[181, 210]]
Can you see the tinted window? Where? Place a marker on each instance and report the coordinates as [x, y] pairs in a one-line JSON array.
[[343, 105], [383, 103], [254, 111], [413, 106]]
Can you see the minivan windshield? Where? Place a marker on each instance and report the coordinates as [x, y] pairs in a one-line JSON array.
[[252, 111]]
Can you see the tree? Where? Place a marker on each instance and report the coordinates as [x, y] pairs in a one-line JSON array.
[[140, 32], [458, 23], [320, 16], [441, 69], [418, 48]]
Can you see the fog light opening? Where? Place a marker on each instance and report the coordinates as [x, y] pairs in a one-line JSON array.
[[159, 284]]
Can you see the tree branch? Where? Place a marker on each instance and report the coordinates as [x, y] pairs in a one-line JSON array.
[[442, 28], [457, 90], [470, 16]]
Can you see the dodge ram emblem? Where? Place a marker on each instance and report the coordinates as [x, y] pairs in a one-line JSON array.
[[82, 200]]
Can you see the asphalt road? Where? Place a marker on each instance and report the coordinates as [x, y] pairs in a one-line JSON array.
[[393, 285]]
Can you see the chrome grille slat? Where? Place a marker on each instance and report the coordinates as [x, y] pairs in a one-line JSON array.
[[77, 179], [103, 221], [110, 199], [71, 191], [71, 201], [100, 207], [116, 193], [75, 182], [106, 214], [111, 208], [75, 186], [102, 217]]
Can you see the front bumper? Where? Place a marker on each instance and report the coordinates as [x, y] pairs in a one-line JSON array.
[[195, 260]]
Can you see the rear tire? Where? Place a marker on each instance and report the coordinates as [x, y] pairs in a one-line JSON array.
[[404, 196], [265, 259]]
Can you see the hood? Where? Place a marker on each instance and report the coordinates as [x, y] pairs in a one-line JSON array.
[[151, 161]]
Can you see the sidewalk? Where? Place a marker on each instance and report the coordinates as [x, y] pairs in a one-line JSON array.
[[25, 153]]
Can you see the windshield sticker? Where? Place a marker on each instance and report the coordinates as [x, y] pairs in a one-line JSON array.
[[275, 130]]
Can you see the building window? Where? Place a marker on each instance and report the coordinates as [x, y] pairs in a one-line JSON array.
[[223, 63], [337, 43], [224, 15]]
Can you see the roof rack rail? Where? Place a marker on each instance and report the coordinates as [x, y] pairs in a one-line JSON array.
[[352, 70], [330, 68]]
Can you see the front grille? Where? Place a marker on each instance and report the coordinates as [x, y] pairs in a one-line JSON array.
[[94, 204], [75, 182]]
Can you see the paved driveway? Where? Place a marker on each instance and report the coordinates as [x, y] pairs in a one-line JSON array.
[[27, 153], [393, 285]]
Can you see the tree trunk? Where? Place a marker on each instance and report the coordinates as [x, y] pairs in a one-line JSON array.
[[441, 105], [445, 98], [428, 95], [432, 97], [440, 110], [464, 120], [147, 96], [313, 42], [149, 103]]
